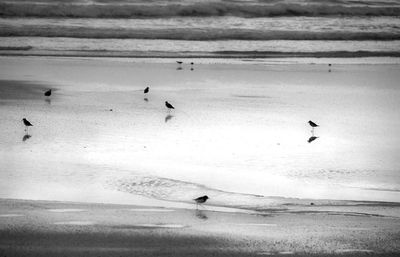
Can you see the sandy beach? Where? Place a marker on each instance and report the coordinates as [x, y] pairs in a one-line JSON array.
[[96, 176], [42, 228]]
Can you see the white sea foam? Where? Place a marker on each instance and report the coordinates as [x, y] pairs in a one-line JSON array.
[[10, 215]]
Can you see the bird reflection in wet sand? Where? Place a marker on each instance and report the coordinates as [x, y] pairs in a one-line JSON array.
[[47, 100], [26, 137], [179, 68], [146, 99], [312, 138], [201, 215], [168, 117]]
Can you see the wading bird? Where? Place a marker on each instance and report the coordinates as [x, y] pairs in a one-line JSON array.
[[312, 124], [201, 199], [47, 93], [27, 123], [146, 90], [169, 106]]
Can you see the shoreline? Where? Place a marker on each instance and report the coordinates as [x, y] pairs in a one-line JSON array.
[[48, 228], [27, 51]]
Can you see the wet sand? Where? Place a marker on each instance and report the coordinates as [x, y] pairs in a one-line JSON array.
[[239, 126], [43, 228], [239, 134]]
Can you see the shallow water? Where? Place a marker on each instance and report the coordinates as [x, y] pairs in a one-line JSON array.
[[238, 128]]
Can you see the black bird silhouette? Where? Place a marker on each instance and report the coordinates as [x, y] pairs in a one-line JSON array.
[[47, 93], [26, 123], [169, 106], [312, 124], [179, 62], [201, 199], [146, 90], [191, 63], [312, 139]]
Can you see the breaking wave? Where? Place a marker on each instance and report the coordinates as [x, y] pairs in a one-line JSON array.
[[141, 9]]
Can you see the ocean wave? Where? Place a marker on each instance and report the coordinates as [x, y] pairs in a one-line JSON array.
[[199, 34], [249, 9]]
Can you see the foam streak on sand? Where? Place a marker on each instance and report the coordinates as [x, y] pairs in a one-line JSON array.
[[10, 215]]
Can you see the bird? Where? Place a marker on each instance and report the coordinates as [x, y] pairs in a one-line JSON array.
[[47, 93], [146, 90], [312, 124], [201, 199], [179, 62], [26, 123], [191, 63], [169, 106]]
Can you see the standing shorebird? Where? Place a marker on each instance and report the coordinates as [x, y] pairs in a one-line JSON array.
[[179, 62], [169, 106], [201, 199], [146, 90], [312, 124], [27, 123], [47, 93]]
